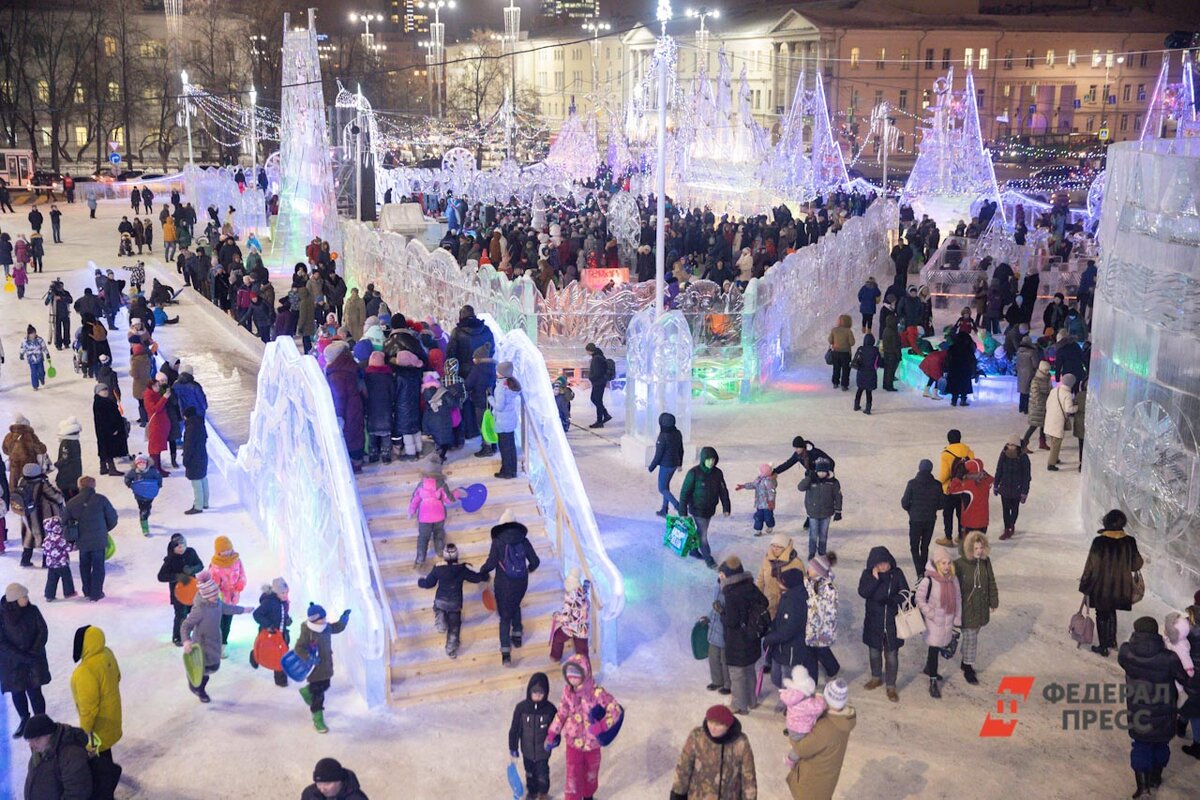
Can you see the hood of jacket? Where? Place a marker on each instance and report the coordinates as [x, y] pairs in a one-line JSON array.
[[666, 421], [510, 532], [471, 324], [89, 641], [586, 686], [540, 681], [968, 546], [705, 454], [880, 555], [1145, 644]]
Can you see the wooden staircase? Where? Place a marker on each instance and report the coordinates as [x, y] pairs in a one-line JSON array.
[[420, 669]]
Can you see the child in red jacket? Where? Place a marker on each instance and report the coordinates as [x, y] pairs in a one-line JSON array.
[[973, 488], [934, 365]]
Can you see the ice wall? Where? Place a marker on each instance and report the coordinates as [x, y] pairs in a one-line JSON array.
[[1143, 400]]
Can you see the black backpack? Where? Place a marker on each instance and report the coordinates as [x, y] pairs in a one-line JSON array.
[[760, 618], [610, 369], [513, 563], [30, 496]]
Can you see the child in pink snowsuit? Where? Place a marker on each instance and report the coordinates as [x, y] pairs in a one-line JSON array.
[[1175, 635], [428, 504], [586, 712], [764, 487], [804, 705]]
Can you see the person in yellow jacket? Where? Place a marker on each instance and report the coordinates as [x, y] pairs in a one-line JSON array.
[[952, 503], [95, 685]]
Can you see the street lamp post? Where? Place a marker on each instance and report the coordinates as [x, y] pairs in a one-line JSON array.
[[368, 38], [702, 13], [660, 221], [187, 114], [253, 126], [512, 35], [595, 29], [437, 45]]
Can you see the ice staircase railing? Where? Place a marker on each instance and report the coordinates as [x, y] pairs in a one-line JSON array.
[[293, 476], [558, 489]]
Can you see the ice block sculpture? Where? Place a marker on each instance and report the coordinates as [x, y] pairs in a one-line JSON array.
[[217, 188], [1143, 401], [658, 373]]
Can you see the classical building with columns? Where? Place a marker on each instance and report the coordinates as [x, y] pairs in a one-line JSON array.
[[1036, 71]]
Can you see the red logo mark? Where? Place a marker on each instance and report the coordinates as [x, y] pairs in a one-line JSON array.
[[1013, 690]]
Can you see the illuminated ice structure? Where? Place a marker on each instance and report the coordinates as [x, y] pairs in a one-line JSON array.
[[807, 160], [953, 169], [658, 379], [1143, 402], [307, 206], [217, 188]]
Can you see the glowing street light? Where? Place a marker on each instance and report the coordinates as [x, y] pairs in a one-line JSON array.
[[702, 13], [368, 38]]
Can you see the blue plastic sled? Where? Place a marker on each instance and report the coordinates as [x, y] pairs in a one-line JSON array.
[[476, 496], [297, 668], [514, 781]]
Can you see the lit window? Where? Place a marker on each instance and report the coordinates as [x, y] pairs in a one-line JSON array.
[[1072, 57], [1008, 90], [878, 97], [903, 105], [983, 58], [969, 57], [853, 58], [118, 134], [114, 90], [1091, 123], [110, 46], [43, 91], [1050, 58], [882, 58], [1095, 58], [79, 96], [904, 59], [1108, 59], [81, 136]]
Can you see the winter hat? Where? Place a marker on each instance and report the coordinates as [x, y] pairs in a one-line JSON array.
[[15, 592], [791, 578], [362, 350], [406, 358], [925, 466], [69, 427], [430, 379], [1043, 367], [315, 612], [161, 377], [824, 465], [721, 715], [504, 369], [450, 552], [185, 369], [823, 564], [731, 566], [1014, 440], [571, 582], [141, 458], [176, 540], [781, 540], [39, 725], [52, 525], [481, 352], [375, 359], [31, 470], [801, 681], [279, 586], [1142, 625], [206, 587], [20, 419], [335, 349], [798, 441], [330, 318], [507, 517], [574, 668], [328, 770], [765, 469], [837, 694], [1068, 381], [939, 553]]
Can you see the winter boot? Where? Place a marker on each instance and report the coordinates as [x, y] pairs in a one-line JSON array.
[[892, 695], [505, 659], [1100, 650], [1143, 785], [874, 683], [935, 395], [1192, 749], [145, 527], [935, 688], [1042, 445], [1008, 534], [452, 645], [224, 651], [20, 731], [281, 679], [319, 722], [306, 693], [969, 674], [1156, 777], [516, 638]]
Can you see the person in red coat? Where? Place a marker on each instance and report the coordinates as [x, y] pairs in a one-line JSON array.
[[934, 366], [974, 488], [158, 429]]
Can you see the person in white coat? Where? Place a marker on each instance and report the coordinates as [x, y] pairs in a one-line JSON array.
[[940, 599], [1059, 408]]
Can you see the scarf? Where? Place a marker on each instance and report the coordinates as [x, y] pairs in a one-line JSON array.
[[223, 560], [946, 591]]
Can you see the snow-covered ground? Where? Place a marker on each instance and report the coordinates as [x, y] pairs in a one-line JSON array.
[[256, 740]]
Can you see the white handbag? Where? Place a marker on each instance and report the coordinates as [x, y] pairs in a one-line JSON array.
[[909, 622]]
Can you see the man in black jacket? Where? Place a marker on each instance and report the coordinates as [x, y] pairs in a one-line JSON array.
[[788, 636], [804, 453], [95, 517], [703, 488], [60, 300], [599, 377], [741, 617], [922, 500], [668, 457], [1151, 674], [469, 335], [58, 761]]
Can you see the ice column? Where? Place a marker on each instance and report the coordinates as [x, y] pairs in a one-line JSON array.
[[1143, 400], [658, 379]]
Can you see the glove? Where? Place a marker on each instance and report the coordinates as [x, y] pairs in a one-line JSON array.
[[345, 617], [837, 516], [550, 744], [514, 755], [596, 714]]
